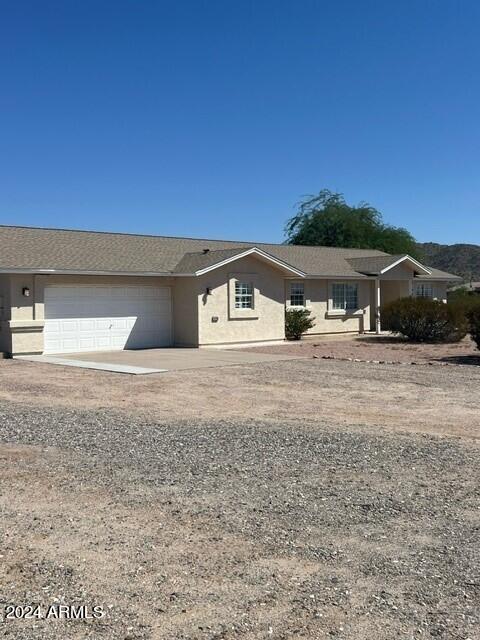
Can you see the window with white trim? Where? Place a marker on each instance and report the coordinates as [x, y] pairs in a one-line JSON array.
[[423, 290], [297, 294], [243, 295], [344, 296]]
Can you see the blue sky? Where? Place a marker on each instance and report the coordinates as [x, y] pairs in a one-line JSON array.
[[213, 118]]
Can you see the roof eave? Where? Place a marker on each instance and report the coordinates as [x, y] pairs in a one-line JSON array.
[[83, 272], [332, 276], [448, 277]]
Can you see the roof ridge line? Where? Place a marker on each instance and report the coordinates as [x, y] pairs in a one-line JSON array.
[[151, 235], [240, 248]]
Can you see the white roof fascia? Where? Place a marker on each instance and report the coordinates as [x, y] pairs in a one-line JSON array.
[[253, 251], [84, 272], [403, 259]]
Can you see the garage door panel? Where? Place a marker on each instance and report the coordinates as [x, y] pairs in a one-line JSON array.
[[52, 346], [106, 342], [87, 325], [86, 318], [68, 326], [122, 323], [69, 343], [87, 344], [103, 324]]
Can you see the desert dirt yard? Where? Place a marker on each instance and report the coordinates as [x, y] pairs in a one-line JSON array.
[[298, 499], [383, 348]]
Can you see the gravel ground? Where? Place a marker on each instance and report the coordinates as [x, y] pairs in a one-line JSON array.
[[436, 400], [192, 529]]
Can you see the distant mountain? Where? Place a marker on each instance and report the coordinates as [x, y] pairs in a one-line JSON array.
[[460, 259]]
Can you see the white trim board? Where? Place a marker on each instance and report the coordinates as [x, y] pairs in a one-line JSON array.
[[254, 251], [406, 258]]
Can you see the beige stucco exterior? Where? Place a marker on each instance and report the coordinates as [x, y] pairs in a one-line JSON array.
[[264, 322], [318, 298], [185, 311], [5, 335], [204, 312], [393, 289]]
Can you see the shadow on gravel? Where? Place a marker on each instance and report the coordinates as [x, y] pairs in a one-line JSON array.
[[379, 340], [470, 360]]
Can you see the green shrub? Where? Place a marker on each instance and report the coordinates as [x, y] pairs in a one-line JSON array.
[[297, 322], [425, 320], [468, 305], [474, 324]]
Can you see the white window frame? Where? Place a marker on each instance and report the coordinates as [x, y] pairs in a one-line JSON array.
[[297, 295], [237, 313], [424, 290], [246, 295], [344, 306]]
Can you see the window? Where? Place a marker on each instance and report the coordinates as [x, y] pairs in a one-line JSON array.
[[243, 295], [345, 296], [297, 294], [424, 290]]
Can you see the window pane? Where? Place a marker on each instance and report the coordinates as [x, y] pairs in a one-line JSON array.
[[351, 296], [338, 296], [297, 294], [345, 296], [424, 291], [243, 295]]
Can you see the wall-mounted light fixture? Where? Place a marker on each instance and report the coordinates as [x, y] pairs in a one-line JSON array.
[[26, 291]]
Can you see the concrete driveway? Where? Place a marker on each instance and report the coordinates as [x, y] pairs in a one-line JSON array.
[[145, 361]]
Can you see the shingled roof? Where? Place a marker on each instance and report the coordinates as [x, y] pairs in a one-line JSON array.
[[61, 250], [197, 260], [375, 265]]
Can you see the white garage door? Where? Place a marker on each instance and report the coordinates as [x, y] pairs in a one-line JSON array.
[[106, 318]]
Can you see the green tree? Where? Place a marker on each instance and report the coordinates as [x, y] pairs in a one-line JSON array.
[[327, 220]]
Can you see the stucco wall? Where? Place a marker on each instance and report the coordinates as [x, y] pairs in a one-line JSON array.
[[393, 289], [266, 323], [22, 307], [185, 312], [400, 272], [5, 338], [23, 333], [318, 300], [4, 297], [21, 326]]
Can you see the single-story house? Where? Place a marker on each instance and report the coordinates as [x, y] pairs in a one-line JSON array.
[[67, 291]]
